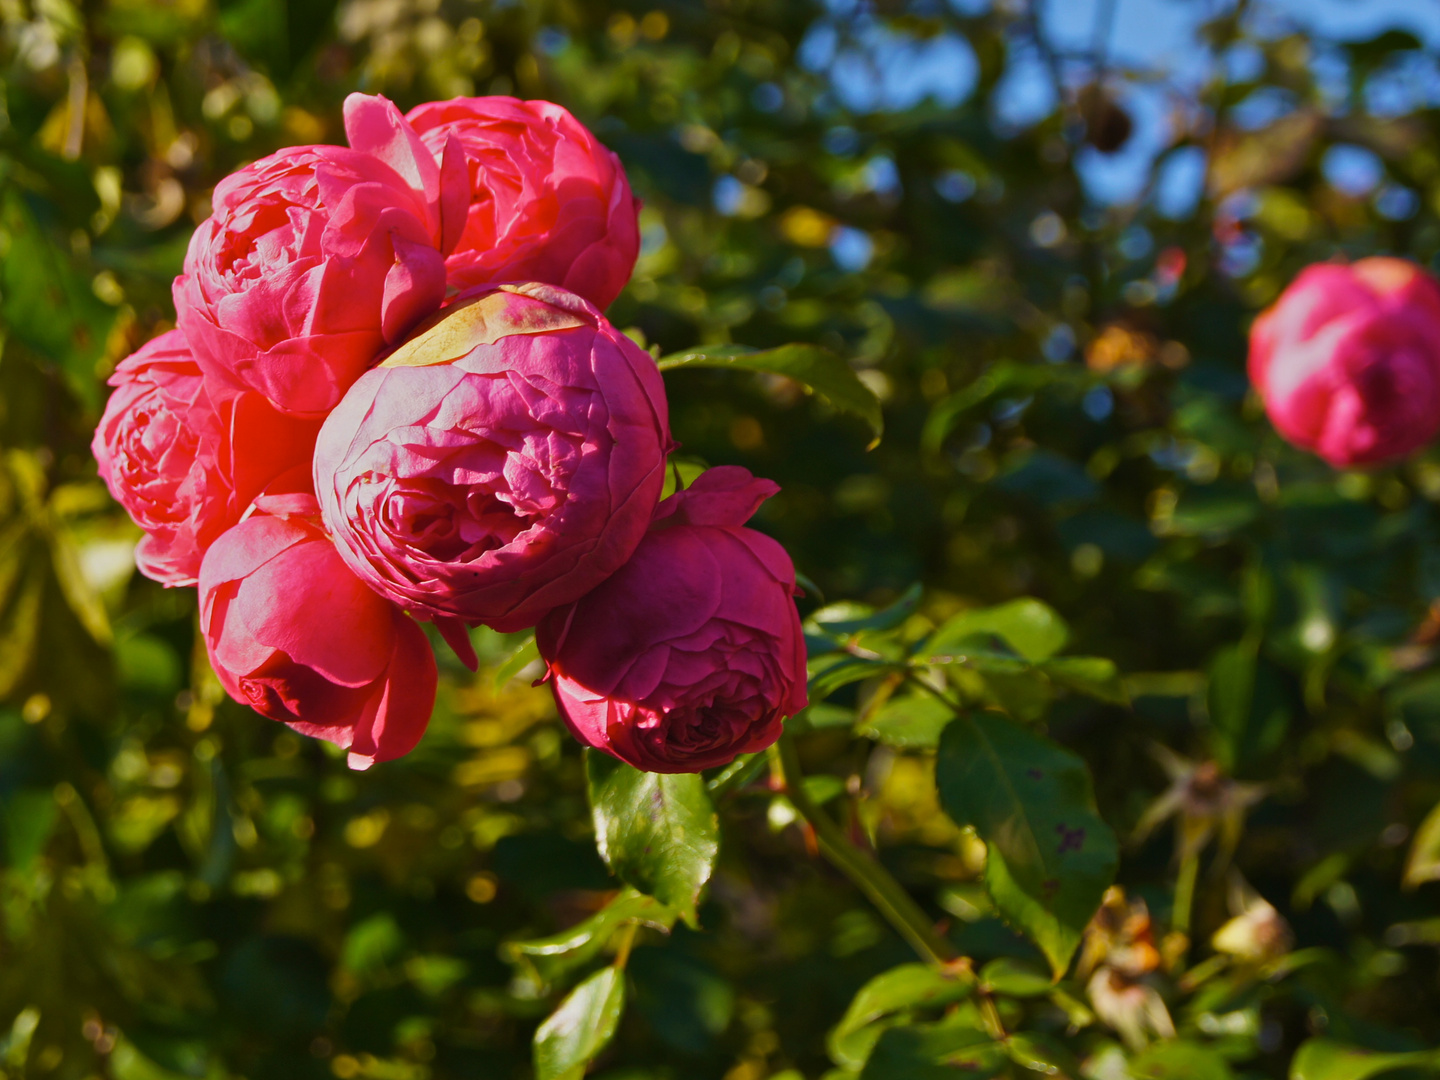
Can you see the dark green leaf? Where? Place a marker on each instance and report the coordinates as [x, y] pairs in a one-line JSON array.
[[1051, 857], [815, 368], [899, 990], [934, 1052], [47, 302], [28, 816], [656, 831], [1248, 710]]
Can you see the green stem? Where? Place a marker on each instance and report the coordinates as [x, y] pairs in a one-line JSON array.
[[872, 879], [1185, 891]]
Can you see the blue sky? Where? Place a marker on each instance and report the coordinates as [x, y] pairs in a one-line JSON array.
[[1155, 39]]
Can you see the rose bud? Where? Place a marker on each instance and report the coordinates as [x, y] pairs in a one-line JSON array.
[[691, 653], [1347, 361], [297, 637], [549, 202], [318, 257], [503, 461], [183, 471]]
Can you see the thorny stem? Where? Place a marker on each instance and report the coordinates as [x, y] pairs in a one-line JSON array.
[[872, 879]]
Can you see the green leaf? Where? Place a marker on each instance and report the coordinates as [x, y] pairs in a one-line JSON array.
[[372, 944], [1423, 863], [47, 302], [815, 368], [1326, 1059], [1247, 705], [656, 831], [1041, 1053], [844, 670], [934, 1052], [15, 1046], [1093, 676], [28, 817], [1033, 629], [84, 601], [886, 618], [899, 990], [525, 654], [1177, 1059], [551, 957], [912, 722], [1051, 857], [1014, 978], [581, 1027]]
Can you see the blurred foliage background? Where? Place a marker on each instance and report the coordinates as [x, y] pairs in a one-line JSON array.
[[1043, 257]]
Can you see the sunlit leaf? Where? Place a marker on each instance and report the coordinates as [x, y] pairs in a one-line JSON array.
[[912, 722], [556, 954], [525, 654], [1032, 628], [656, 831], [581, 1027], [1180, 1059], [1423, 863], [1015, 978], [1327, 1059]]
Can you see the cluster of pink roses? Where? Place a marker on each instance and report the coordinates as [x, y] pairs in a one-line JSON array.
[[391, 396], [1347, 361]]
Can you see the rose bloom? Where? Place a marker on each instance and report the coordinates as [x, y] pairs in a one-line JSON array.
[[184, 471], [502, 462], [691, 653], [297, 637], [549, 202], [1347, 361], [318, 257]]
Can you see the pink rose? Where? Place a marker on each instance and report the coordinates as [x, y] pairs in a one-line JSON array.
[[550, 203], [317, 257], [503, 461], [184, 471], [691, 653], [1347, 361], [297, 637]]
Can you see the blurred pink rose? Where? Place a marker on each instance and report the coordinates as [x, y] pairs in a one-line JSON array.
[[297, 637], [184, 471], [550, 202], [691, 653], [503, 461], [1347, 361], [317, 257]]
